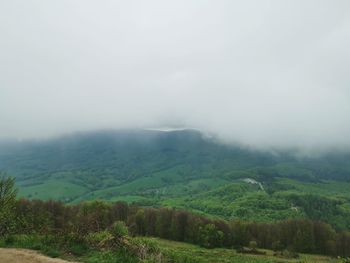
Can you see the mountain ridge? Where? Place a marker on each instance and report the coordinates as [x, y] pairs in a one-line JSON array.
[[184, 169]]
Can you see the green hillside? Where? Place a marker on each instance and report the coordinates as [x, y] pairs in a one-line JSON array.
[[99, 231], [182, 169]]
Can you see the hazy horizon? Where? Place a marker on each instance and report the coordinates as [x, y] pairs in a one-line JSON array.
[[260, 73]]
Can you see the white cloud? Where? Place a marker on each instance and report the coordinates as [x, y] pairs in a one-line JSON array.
[[263, 73]]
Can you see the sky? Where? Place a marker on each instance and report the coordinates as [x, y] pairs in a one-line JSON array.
[[263, 73]]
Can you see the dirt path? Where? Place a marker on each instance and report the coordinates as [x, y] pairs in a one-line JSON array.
[[14, 255]]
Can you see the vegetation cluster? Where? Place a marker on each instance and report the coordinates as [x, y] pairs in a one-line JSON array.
[[99, 225], [182, 169]]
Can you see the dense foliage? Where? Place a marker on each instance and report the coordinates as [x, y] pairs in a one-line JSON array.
[[104, 228], [182, 169], [93, 218], [7, 204]]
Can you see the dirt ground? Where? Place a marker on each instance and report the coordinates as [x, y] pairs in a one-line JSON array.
[[13, 255]]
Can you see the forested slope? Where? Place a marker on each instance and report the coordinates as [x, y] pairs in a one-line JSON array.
[[183, 169]]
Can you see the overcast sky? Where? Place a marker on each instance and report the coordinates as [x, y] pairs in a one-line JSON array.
[[264, 73]]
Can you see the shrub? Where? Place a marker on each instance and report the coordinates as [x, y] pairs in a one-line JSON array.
[[78, 249], [51, 252], [144, 248], [210, 236], [25, 241], [253, 245], [119, 229], [277, 245], [245, 250], [7, 205], [103, 239], [99, 237], [289, 254]]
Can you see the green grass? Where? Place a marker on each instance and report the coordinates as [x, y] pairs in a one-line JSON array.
[[197, 254], [169, 251], [52, 189]]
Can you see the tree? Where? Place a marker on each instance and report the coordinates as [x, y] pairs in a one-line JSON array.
[[324, 238], [164, 221], [150, 221], [276, 245], [304, 237], [119, 211], [140, 222], [239, 233], [8, 194], [343, 244], [194, 224], [94, 216], [226, 230], [210, 236], [179, 224]]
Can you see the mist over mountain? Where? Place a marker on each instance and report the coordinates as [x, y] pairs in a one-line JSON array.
[[128, 125], [266, 74], [120, 153]]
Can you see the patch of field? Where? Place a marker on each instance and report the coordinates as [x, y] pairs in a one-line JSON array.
[[220, 255], [129, 198], [15, 255], [52, 189]]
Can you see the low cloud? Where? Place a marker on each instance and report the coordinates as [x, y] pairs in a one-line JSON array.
[[261, 73]]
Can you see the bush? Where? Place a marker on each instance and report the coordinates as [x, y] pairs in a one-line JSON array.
[[143, 248], [210, 236], [119, 229], [253, 245], [7, 205], [245, 250], [51, 252], [277, 245], [289, 254], [98, 237], [9, 240], [102, 239], [25, 241]]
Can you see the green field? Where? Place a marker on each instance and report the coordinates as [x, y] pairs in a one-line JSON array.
[[198, 254], [53, 189]]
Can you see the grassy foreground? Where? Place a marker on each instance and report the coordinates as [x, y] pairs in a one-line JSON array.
[[149, 250], [199, 254]]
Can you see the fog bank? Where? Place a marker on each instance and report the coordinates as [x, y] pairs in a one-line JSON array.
[[260, 73]]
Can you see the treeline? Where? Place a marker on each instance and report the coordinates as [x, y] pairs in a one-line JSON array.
[[53, 217]]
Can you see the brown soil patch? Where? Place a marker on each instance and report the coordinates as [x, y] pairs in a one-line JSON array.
[[14, 255]]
